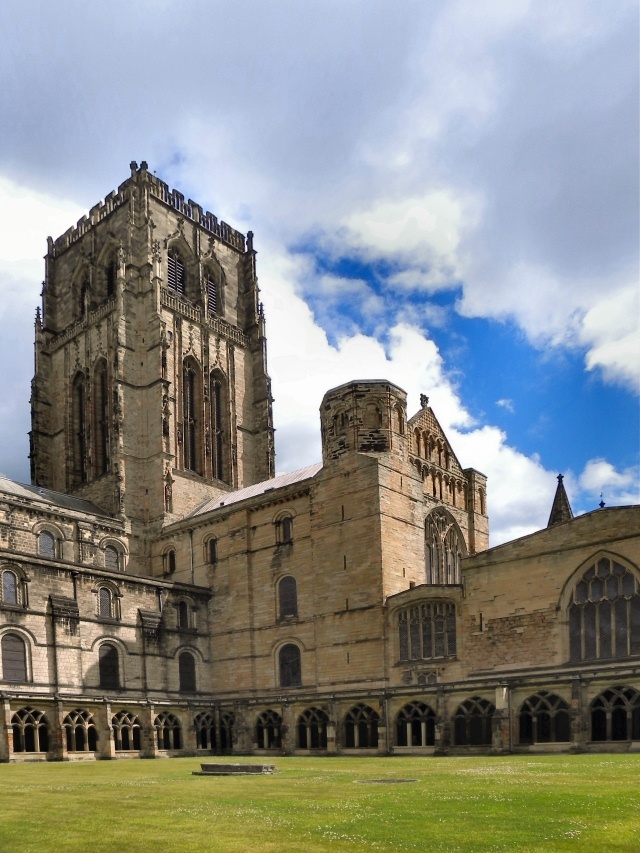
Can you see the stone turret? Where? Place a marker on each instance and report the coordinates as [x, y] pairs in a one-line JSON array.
[[363, 417]]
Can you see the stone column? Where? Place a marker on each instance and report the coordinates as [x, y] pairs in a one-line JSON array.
[[148, 734], [288, 728], [6, 731], [442, 738], [332, 744], [106, 742], [57, 735], [501, 724], [190, 743], [578, 716]]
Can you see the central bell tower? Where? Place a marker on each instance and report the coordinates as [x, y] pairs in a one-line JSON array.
[[151, 391]]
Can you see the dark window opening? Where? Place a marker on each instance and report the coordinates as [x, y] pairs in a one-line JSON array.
[[109, 667], [290, 666], [361, 728], [288, 595], [187, 672], [472, 722], [311, 729], [176, 278], [47, 545], [9, 588], [14, 659]]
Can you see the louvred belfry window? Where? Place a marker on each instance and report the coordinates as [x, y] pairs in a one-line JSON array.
[[212, 293], [175, 273]]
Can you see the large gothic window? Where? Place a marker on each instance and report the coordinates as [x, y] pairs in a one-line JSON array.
[[191, 407], [78, 431], [427, 631], [268, 729], [101, 418], [444, 549], [219, 428], [604, 613]]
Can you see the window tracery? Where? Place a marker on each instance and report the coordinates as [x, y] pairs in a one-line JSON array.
[[311, 729], [427, 631], [444, 549], [361, 728], [268, 728], [415, 725], [544, 718], [604, 613]]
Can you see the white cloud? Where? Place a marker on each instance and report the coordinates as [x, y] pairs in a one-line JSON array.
[[617, 487], [611, 330], [506, 404]]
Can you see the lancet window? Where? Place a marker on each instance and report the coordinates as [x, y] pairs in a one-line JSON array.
[[427, 631], [444, 549]]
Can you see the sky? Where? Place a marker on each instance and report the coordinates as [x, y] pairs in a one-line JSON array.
[[443, 194]]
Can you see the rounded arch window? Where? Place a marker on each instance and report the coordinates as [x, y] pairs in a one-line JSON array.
[[105, 603], [109, 666], [604, 613], [284, 530], [183, 615], [10, 587], [46, 545], [169, 561], [290, 666], [14, 659], [288, 597], [111, 558], [187, 672]]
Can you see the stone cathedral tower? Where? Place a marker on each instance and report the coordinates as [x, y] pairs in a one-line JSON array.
[[151, 391]]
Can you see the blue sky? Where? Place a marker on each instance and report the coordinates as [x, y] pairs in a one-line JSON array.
[[442, 194]]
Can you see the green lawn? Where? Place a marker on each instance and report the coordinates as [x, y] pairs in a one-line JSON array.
[[525, 803]]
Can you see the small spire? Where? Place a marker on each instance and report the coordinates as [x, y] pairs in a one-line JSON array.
[[602, 503], [561, 509]]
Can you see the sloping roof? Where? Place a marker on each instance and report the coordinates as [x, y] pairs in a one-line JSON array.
[[277, 482], [57, 499], [561, 510]]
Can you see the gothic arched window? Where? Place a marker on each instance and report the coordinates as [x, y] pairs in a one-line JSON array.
[[311, 729], [205, 726], [604, 613], [472, 722], [268, 728], [111, 274], [78, 431], [168, 731], [444, 548], [427, 631], [615, 715], [544, 718], [126, 731], [415, 725], [361, 728], [190, 412], [219, 428], [101, 418]]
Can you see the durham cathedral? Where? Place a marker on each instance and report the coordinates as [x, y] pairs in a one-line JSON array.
[[164, 592]]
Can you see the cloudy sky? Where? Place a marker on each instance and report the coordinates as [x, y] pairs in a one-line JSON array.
[[443, 194]]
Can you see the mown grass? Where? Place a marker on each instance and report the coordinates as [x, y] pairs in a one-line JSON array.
[[525, 803]]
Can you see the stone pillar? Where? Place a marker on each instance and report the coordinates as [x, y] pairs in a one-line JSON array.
[[57, 735], [578, 716], [501, 724], [190, 743], [148, 734], [288, 728], [106, 742], [382, 728], [332, 743], [242, 734], [442, 725], [6, 731]]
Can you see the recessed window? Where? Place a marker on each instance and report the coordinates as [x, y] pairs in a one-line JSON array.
[[472, 722], [288, 597], [268, 728], [169, 561], [361, 728], [183, 615], [284, 530], [168, 731], [427, 631], [615, 715], [105, 607], [212, 550], [176, 277], [126, 731], [30, 731], [111, 558], [46, 545], [187, 672], [9, 587], [14, 659], [416, 725], [311, 729], [205, 726], [80, 731], [544, 718], [109, 667], [290, 666]]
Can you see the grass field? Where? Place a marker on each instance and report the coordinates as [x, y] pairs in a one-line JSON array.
[[525, 803]]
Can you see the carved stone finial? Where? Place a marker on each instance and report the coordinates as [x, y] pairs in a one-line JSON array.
[[424, 401]]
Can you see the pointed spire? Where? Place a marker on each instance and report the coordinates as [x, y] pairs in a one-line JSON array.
[[561, 509]]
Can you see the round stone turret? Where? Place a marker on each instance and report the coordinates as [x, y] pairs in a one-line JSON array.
[[363, 417]]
